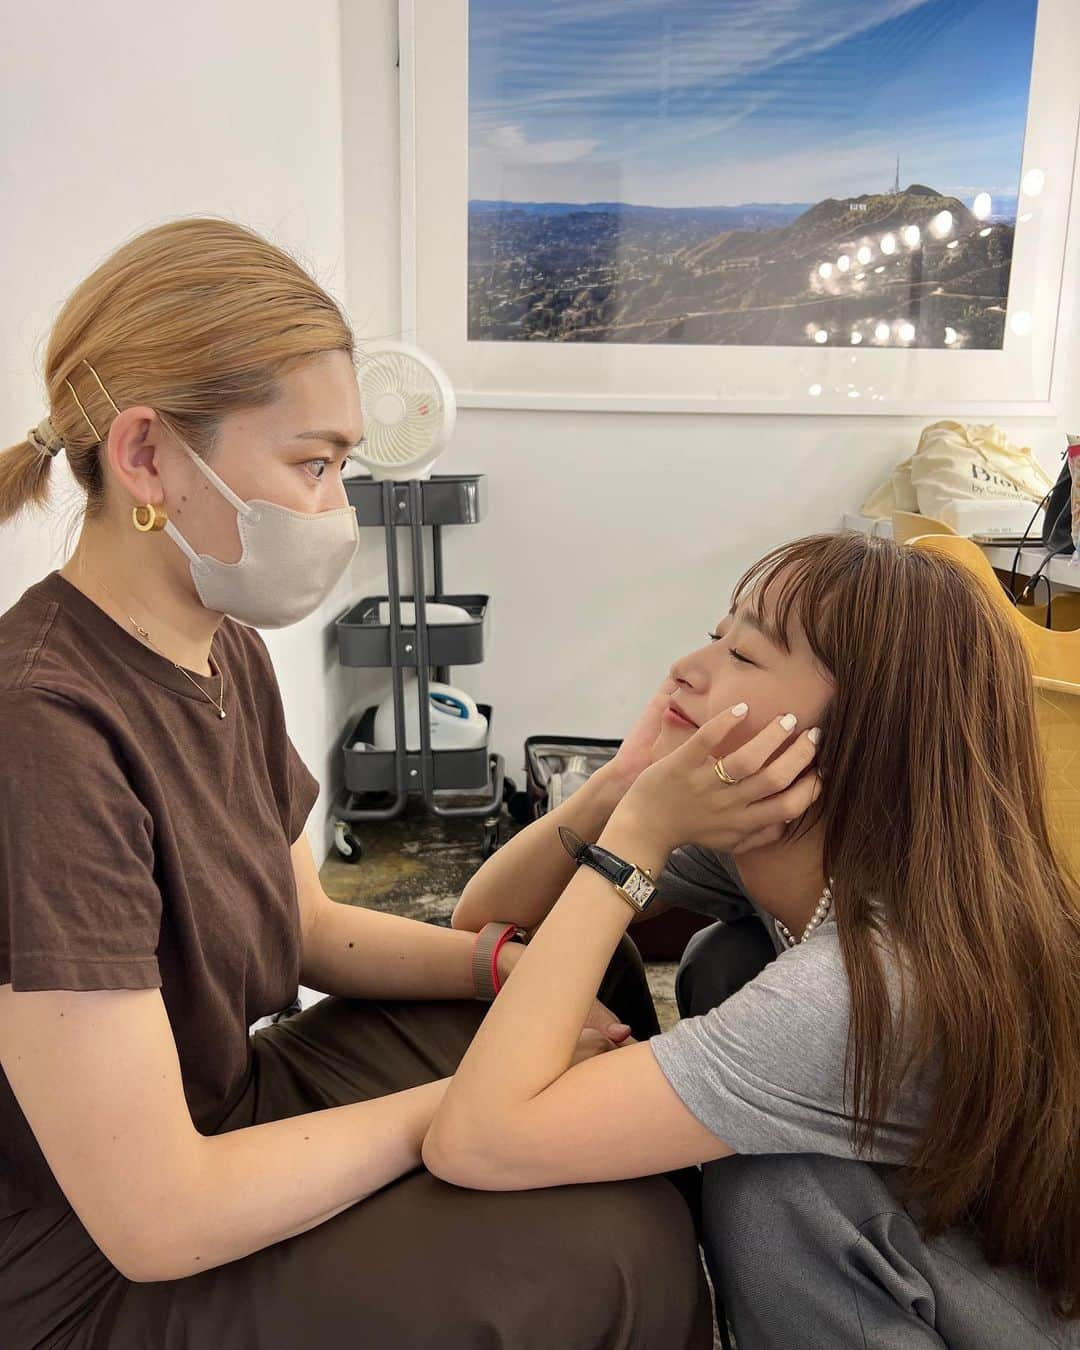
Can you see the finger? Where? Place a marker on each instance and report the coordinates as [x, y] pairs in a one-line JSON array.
[[709, 739], [787, 805], [753, 755], [591, 1042], [779, 757], [618, 1032], [594, 1043], [601, 1017]]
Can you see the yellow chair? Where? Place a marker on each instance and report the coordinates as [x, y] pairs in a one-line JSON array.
[[909, 525], [1064, 616], [1055, 662]]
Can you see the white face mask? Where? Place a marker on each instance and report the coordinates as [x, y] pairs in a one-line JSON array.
[[290, 560]]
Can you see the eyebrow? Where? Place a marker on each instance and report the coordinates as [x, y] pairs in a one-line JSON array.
[[337, 438], [754, 620]]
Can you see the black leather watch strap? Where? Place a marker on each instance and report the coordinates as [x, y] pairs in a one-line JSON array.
[[610, 866]]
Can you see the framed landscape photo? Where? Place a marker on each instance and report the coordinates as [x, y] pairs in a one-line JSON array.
[[855, 206]]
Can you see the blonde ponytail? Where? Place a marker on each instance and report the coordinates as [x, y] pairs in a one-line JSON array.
[[24, 477], [196, 318]]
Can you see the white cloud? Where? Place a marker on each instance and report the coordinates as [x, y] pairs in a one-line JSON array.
[[509, 142]]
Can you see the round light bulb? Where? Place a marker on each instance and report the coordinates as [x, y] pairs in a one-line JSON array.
[[942, 224]]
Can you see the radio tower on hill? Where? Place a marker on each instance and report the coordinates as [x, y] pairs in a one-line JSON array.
[[896, 184]]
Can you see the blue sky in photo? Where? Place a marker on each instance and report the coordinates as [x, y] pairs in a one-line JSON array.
[[721, 102]]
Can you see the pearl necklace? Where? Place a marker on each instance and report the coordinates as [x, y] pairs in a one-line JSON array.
[[821, 913]]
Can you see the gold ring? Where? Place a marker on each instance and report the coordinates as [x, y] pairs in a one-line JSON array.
[[722, 773]]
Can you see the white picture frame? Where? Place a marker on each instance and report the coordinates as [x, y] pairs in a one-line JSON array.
[[1025, 377]]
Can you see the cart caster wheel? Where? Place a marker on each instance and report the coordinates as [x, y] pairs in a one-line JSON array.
[[491, 839], [520, 808], [348, 846], [509, 788]]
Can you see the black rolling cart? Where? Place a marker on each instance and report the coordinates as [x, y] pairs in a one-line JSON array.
[[379, 783]]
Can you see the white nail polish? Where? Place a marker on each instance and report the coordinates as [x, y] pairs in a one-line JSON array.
[[814, 735], [789, 721], [740, 710]]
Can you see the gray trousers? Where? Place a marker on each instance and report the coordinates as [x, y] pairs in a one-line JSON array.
[[808, 1252]]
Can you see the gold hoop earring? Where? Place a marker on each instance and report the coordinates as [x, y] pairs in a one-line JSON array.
[[157, 519]]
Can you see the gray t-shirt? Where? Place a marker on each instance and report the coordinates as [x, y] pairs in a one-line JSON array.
[[764, 1071]]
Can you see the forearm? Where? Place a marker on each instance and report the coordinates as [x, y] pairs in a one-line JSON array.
[[528, 1037], [365, 953], [521, 881], [247, 1189]]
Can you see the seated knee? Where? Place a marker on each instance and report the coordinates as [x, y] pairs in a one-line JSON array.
[[719, 960]]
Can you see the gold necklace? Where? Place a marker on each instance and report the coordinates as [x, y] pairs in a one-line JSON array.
[[218, 703]]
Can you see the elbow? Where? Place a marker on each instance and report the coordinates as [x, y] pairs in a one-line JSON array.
[[457, 1156], [139, 1262], [152, 1251], [444, 1160], [461, 917]]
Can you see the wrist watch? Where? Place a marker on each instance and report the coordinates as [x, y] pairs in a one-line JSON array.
[[636, 885]]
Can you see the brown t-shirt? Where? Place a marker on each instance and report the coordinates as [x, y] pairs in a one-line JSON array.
[[145, 842]]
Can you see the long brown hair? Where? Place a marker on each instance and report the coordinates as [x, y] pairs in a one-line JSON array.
[[935, 833], [196, 318]]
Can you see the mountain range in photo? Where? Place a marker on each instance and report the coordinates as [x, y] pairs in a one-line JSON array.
[[912, 267]]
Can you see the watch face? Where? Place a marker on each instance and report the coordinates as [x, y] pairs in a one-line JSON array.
[[638, 888]]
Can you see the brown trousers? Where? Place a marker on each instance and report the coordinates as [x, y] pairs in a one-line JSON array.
[[605, 1266]]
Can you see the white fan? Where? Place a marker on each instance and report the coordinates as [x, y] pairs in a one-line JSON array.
[[409, 410]]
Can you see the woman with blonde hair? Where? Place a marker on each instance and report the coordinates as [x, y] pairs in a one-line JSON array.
[[167, 1180], [888, 1114]]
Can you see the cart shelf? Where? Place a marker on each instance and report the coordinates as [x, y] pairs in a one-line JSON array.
[[364, 641], [376, 770], [445, 499]]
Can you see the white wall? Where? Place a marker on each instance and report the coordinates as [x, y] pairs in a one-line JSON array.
[[612, 539], [116, 117]]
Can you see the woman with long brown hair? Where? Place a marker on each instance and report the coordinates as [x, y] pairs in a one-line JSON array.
[[901, 1084]]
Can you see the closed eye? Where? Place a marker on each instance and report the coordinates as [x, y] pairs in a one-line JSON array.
[[734, 652]]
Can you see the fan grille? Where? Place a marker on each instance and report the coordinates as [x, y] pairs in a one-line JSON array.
[[417, 430]]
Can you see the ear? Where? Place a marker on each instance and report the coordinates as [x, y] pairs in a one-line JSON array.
[[132, 450]]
